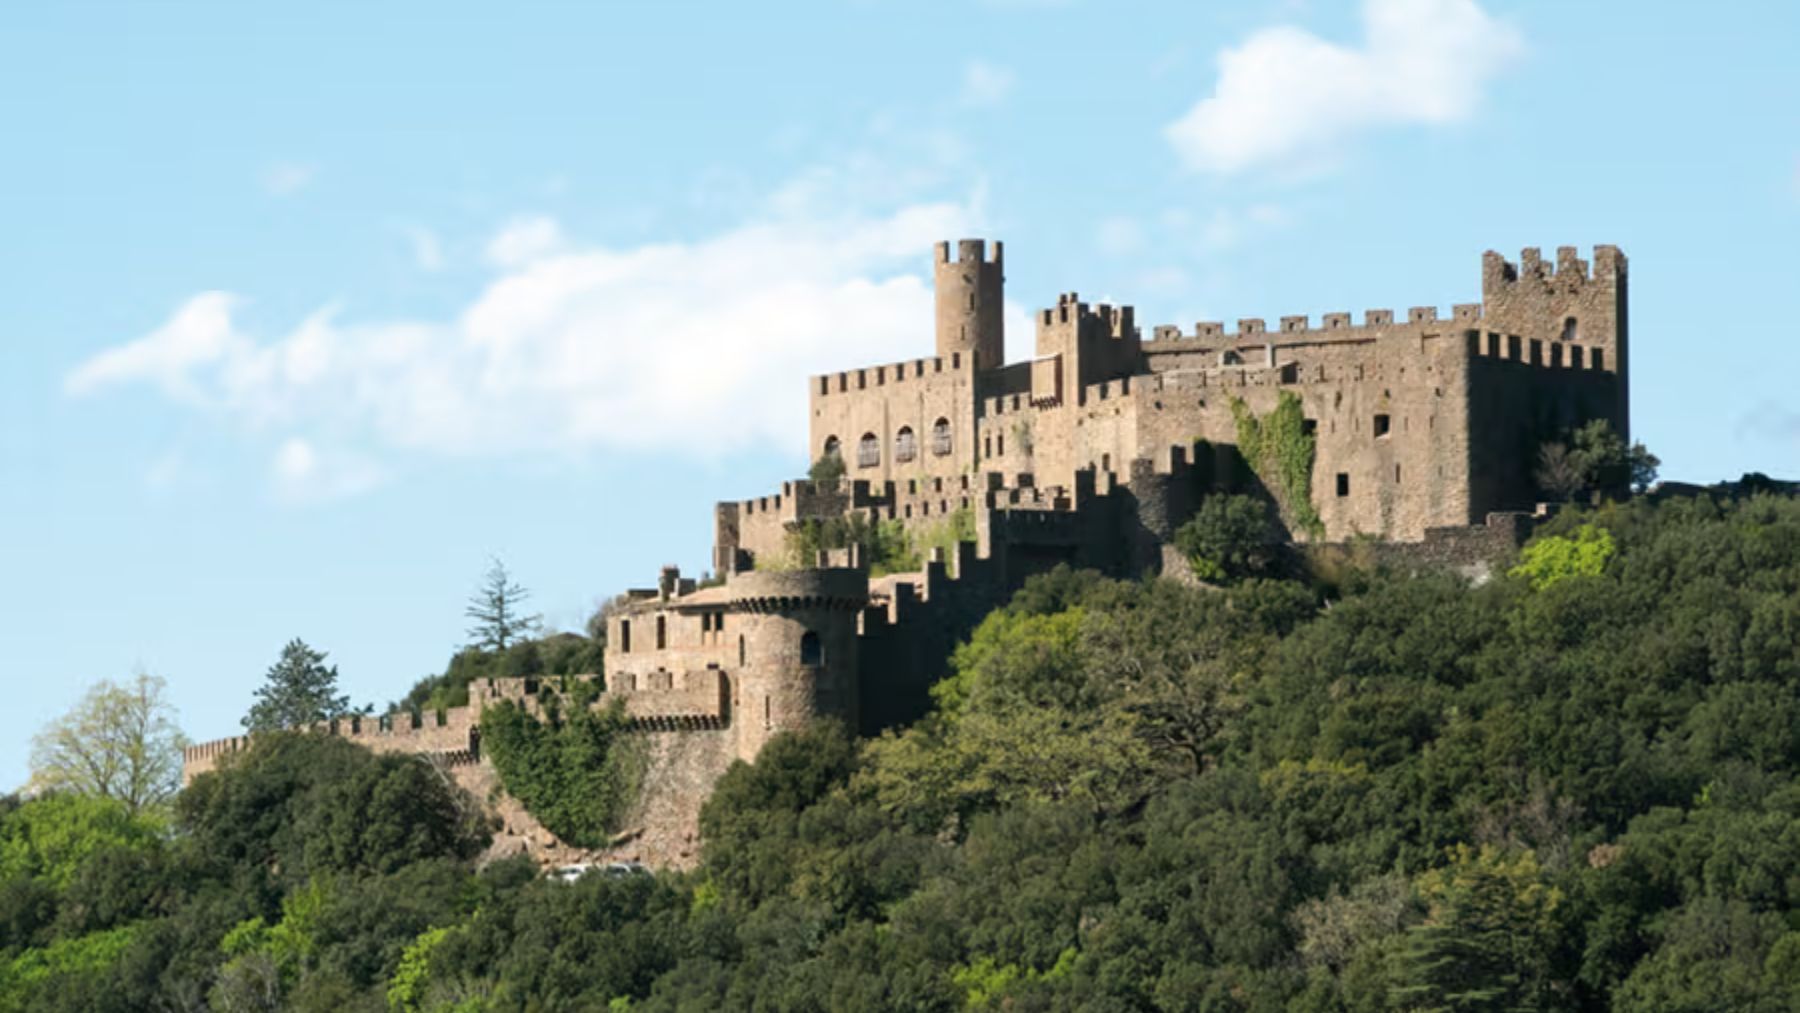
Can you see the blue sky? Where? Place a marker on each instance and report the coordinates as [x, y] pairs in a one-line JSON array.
[[312, 308]]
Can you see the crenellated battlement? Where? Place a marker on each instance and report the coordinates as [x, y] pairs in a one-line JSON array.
[[1117, 321], [853, 381], [1298, 328], [1567, 271], [971, 251]]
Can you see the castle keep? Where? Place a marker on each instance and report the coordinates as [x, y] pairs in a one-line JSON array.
[[1092, 452]]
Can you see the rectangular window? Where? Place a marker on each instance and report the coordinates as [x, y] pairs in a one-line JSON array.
[[1396, 474], [624, 636], [1309, 427], [1383, 424], [1343, 484]]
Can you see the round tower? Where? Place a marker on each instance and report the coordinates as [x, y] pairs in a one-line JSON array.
[[797, 651], [971, 291]]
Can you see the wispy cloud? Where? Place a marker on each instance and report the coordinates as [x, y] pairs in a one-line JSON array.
[[1287, 99], [985, 84], [567, 347], [427, 249], [1120, 236], [524, 239], [302, 473], [284, 179]]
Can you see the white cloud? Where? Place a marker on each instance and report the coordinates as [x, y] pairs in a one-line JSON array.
[[523, 239], [199, 335], [1286, 98], [696, 348], [985, 84], [302, 473], [286, 178]]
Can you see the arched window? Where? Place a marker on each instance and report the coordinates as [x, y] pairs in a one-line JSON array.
[[812, 652], [906, 446], [868, 451], [1571, 330], [940, 437], [831, 446]]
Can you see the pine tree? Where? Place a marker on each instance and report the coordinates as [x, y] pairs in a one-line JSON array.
[[496, 611], [300, 689]]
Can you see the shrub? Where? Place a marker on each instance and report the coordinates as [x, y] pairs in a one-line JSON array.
[[1548, 561], [1229, 539]]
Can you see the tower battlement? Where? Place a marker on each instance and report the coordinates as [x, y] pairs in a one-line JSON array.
[[971, 251], [1567, 270], [971, 303]]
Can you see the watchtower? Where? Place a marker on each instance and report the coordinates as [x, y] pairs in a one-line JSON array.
[[1566, 303], [971, 292]]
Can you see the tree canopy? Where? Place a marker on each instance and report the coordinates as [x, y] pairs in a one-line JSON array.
[[299, 690], [497, 609], [1571, 787], [120, 742]]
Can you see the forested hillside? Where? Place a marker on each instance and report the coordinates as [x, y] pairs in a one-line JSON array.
[[1571, 787]]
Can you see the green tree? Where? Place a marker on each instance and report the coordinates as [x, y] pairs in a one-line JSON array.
[[1552, 559], [119, 742], [1229, 538], [299, 690], [1486, 943], [827, 471], [1608, 464], [496, 609], [1594, 458], [1559, 472]]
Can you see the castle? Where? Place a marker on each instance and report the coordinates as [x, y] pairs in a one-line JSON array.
[[1093, 452]]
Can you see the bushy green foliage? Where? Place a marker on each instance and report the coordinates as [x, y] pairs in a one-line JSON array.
[[1594, 458], [1583, 795], [888, 546], [574, 769], [1552, 559], [33, 977], [827, 471], [1229, 538], [559, 654], [300, 805]]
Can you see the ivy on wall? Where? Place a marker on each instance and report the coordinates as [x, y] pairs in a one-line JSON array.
[[1280, 451], [577, 772], [889, 546]]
